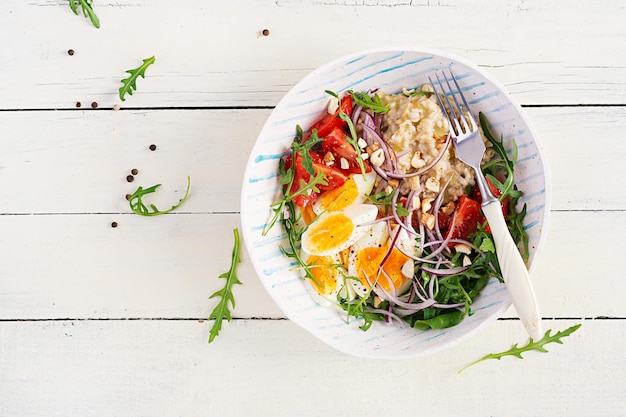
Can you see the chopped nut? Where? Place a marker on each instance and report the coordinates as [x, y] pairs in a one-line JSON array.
[[365, 156], [463, 248], [372, 148], [333, 105], [414, 183], [432, 184], [378, 157], [428, 220], [415, 202], [344, 163], [329, 158], [466, 261], [417, 161], [426, 204], [362, 143], [427, 88], [448, 208], [393, 183]]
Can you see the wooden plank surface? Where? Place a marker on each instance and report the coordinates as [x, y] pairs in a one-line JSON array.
[[103, 321], [557, 52], [269, 368]]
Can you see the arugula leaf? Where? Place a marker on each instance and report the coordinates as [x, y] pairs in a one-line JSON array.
[[371, 102], [138, 207], [87, 10], [129, 84], [508, 189], [441, 321], [221, 311], [531, 345], [287, 177]]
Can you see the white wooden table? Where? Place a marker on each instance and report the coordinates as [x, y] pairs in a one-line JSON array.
[[104, 321]]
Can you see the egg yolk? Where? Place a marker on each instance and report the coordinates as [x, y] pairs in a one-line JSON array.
[[368, 262], [329, 233], [321, 267], [340, 197]]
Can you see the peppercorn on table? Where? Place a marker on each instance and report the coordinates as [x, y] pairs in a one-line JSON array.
[[105, 312]]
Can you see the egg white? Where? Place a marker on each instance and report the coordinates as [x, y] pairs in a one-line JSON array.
[[379, 237], [337, 287], [340, 198], [323, 237]]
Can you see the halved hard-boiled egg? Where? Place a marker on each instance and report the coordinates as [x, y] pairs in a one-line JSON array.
[[353, 191], [367, 255], [334, 231], [328, 280]]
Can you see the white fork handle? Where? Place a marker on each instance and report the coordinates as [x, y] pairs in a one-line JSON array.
[[514, 271]]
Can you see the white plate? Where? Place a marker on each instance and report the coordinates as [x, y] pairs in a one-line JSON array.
[[390, 70]]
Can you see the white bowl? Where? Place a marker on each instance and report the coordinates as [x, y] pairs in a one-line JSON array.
[[388, 69]]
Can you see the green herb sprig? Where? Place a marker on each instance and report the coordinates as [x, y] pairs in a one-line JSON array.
[[221, 311], [531, 345], [129, 84], [352, 138], [138, 207], [508, 189], [287, 177], [372, 102], [87, 10]]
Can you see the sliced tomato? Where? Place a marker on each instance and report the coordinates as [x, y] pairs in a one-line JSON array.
[[496, 192], [300, 175], [334, 177], [331, 121], [443, 220], [335, 142], [465, 219]]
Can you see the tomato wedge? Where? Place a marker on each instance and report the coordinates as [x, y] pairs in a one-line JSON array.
[[496, 192], [299, 176], [465, 219], [335, 142], [331, 121], [334, 177]]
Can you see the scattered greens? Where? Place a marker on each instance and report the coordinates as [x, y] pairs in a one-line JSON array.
[[221, 311], [87, 10], [129, 84], [531, 345], [138, 207]]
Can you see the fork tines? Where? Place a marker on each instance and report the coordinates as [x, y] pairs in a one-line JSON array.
[[456, 110]]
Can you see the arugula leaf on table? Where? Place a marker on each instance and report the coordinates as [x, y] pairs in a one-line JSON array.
[[221, 311], [138, 207], [531, 345], [129, 84], [87, 10]]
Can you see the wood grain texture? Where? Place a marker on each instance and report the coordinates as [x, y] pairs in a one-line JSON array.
[[77, 161], [270, 368], [542, 51], [103, 321]]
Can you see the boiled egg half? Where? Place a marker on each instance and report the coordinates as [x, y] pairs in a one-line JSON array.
[[334, 231], [368, 253]]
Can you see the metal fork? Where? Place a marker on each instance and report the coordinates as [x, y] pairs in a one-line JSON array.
[[470, 149]]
